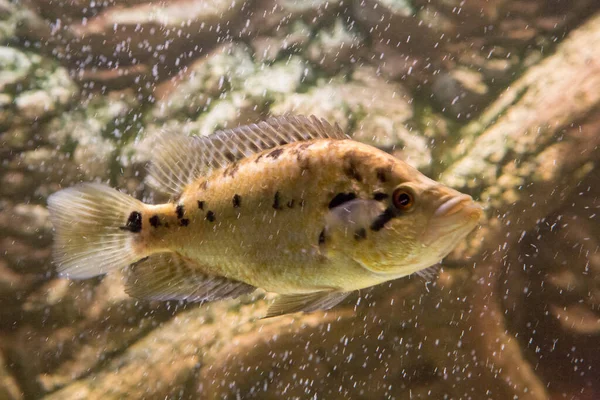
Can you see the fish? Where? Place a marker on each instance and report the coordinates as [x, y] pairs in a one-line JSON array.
[[290, 205]]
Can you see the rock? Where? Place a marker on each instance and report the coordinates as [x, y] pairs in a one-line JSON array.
[[394, 23], [9, 388], [234, 111], [531, 101], [73, 327], [34, 105], [368, 108], [225, 68], [26, 220], [13, 288], [460, 92], [290, 39], [498, 65], [274, 82], [15, 68], [88, 135], [333, 48], [553, 299], [17, 21], [323, 100], [148, 42], [268, 16], [32, 88], [5, 110]]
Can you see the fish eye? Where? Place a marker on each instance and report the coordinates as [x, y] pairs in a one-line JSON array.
[[403, 199]]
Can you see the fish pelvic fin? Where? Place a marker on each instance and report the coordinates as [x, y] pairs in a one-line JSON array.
[[169, 276], [429, 274], [305, 302], [95, 228], [179, 159]]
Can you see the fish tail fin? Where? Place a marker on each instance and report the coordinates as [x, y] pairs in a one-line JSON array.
[[95, 230]]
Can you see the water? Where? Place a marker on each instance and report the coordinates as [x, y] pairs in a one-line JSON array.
[[499, 100]]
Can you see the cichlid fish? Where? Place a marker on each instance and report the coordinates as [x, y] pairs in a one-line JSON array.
[[290, 205]]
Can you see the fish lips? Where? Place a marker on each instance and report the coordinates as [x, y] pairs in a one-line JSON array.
[[452, 220]]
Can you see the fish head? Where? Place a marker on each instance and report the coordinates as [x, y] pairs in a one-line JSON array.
[[419, 222]]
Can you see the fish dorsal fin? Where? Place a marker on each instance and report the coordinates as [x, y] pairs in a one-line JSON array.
[[306, 302], [169, 276], [180, 159]]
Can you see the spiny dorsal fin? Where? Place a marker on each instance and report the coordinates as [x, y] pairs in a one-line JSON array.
[[180, 159], [306, 302], [169, 276]]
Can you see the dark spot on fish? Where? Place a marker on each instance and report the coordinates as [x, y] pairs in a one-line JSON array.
[[184, 222], [360, 234], [277, 201], [154, 221], [290, 203], [304, 165], [382, 175], [134, 223], [237, 200], [180, 210], [382, 219], [380, 196], [210, 216], [341, 198], [275, 154], [253, 147], [231, 170], [304, 146], [322, 237], [303, 161], [299, 148], [351, 168], [259, 157], [229, 156], [204, 185], [201, 204]]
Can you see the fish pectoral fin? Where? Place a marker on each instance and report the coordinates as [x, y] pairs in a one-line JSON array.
[[179, 159], [354, 215], [169, 276], [305, 302]]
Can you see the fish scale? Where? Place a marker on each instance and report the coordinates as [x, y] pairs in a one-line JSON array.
[[290, 205]]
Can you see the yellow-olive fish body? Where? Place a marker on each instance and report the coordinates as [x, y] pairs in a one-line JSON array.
[[290, 205]]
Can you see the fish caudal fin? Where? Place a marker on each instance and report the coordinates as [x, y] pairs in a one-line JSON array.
[[95, 227]]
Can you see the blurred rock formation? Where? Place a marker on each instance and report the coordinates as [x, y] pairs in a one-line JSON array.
[[500, 99]]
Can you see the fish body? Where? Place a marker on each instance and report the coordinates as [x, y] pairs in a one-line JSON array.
[[291, 206]]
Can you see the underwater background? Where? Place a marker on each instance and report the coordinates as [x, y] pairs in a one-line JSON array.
[[498, 99]]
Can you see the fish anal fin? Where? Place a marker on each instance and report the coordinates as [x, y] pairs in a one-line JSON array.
[[179, 159], [305, 302], [169, 276]]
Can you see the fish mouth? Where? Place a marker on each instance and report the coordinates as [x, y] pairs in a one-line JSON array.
[[453, 219]]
